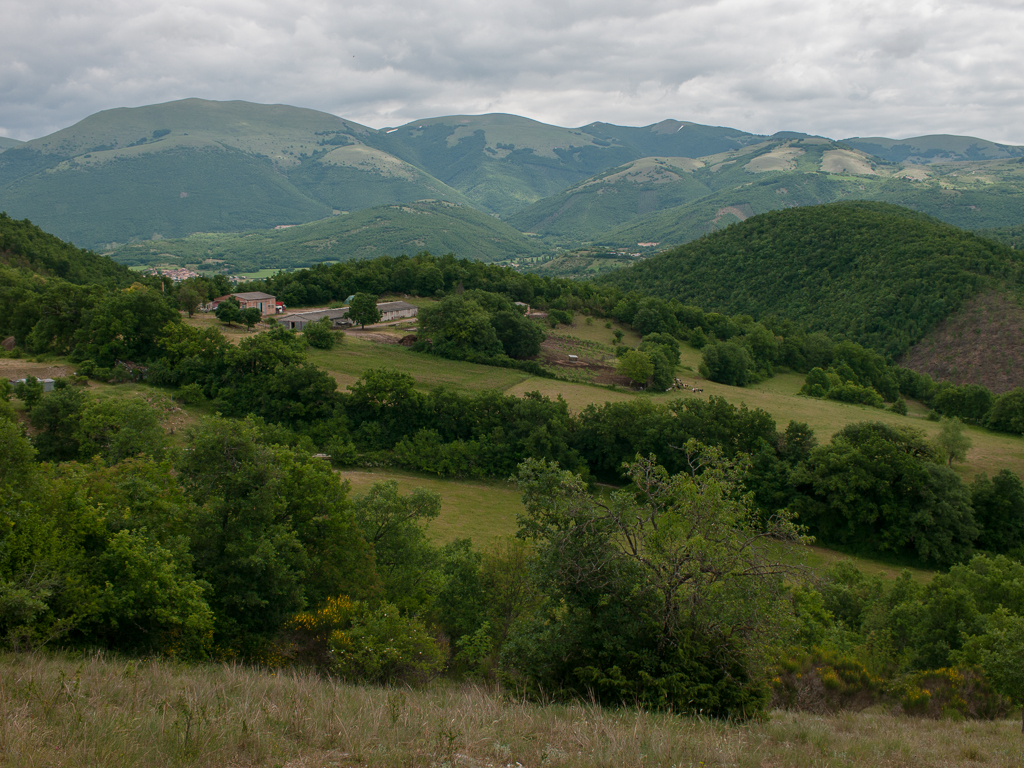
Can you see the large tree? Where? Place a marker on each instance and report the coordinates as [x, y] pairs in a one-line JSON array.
[[664, 594], [363, 309]]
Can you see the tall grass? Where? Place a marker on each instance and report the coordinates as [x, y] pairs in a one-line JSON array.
[[63, 710]]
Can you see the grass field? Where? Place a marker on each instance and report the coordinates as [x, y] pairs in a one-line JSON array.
[[100, 711], [779, 396], [485, 510]]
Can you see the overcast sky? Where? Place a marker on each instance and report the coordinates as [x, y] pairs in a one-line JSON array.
[[837, 68]]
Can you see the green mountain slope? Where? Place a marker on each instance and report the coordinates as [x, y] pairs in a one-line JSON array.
[[504, 162], [940, 148], [25, 246], [6, 143], [614, 197], [784, 174], [431, 225], [878, 274], [169, 170]]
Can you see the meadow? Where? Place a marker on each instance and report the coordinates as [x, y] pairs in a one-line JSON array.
[[102, 711]]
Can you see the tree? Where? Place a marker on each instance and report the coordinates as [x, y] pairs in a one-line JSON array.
[[666, 595], [520, 337], [879, 488], [637, 365], [117, 429], [999, 651], [727, 363], [244, 544], [319, 334], [363, 309], [459, 328], [952, 442], [999, 509], [229, 311], [395, 526], [249, 317], [126, 325], [189, 298], [57, 417]]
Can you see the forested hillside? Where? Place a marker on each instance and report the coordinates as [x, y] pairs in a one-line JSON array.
[[24, 245], [877, 274]]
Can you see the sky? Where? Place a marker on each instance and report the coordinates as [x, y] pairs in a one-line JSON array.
[[836, 68]]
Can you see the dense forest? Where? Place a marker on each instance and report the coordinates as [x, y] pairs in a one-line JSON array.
[[669, 592], [874, 273]]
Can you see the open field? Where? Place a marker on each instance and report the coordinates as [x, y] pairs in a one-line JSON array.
[[101, 711], [779, 396], [481, 510], [484, 510]]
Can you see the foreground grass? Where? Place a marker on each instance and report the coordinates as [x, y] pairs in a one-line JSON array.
[[103, 711]]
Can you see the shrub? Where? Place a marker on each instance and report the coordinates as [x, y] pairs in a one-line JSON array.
[[382, 646], [824, 681], [190, 394], [949, 692]]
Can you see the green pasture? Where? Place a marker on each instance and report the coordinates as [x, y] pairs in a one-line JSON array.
[[779, 396], [350, 359], [481, 510], [485, 510]]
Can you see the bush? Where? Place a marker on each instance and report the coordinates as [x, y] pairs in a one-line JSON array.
[[190, 394], [824, 681], [949, 692], [319, 334], [382, 646]]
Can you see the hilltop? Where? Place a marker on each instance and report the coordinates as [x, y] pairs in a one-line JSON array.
[[878, 274]]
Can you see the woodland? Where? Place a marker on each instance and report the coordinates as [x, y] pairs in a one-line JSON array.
[[650, 568]]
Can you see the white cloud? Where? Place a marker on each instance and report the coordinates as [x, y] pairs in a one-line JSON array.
[[831, 67]]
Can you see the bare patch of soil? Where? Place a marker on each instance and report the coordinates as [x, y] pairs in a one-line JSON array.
[[983, 343], [592, 363], [19, 369]]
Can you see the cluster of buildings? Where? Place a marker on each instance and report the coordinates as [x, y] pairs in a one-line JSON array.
[[389, 311], [268, 306], [176, 275]]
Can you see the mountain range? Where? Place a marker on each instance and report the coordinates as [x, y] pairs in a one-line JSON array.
[[151, 177]]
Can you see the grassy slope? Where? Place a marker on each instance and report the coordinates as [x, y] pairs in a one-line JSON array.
[[983, 192], [435, 226], [105, 712]]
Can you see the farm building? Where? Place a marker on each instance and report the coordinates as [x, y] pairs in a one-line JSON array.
[[264, 302], [396, 310], [389, 310], [297, 321]]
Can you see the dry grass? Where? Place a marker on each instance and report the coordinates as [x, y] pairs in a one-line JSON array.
[[101, 711]]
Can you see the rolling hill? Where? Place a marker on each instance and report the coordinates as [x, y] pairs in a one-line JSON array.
[[505, 162], [878, 274], [6, 143], [428, 225], [637, 207], [168, 171], [173, 169]]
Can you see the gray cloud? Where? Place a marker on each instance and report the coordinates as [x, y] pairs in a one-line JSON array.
[[831, 67]]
